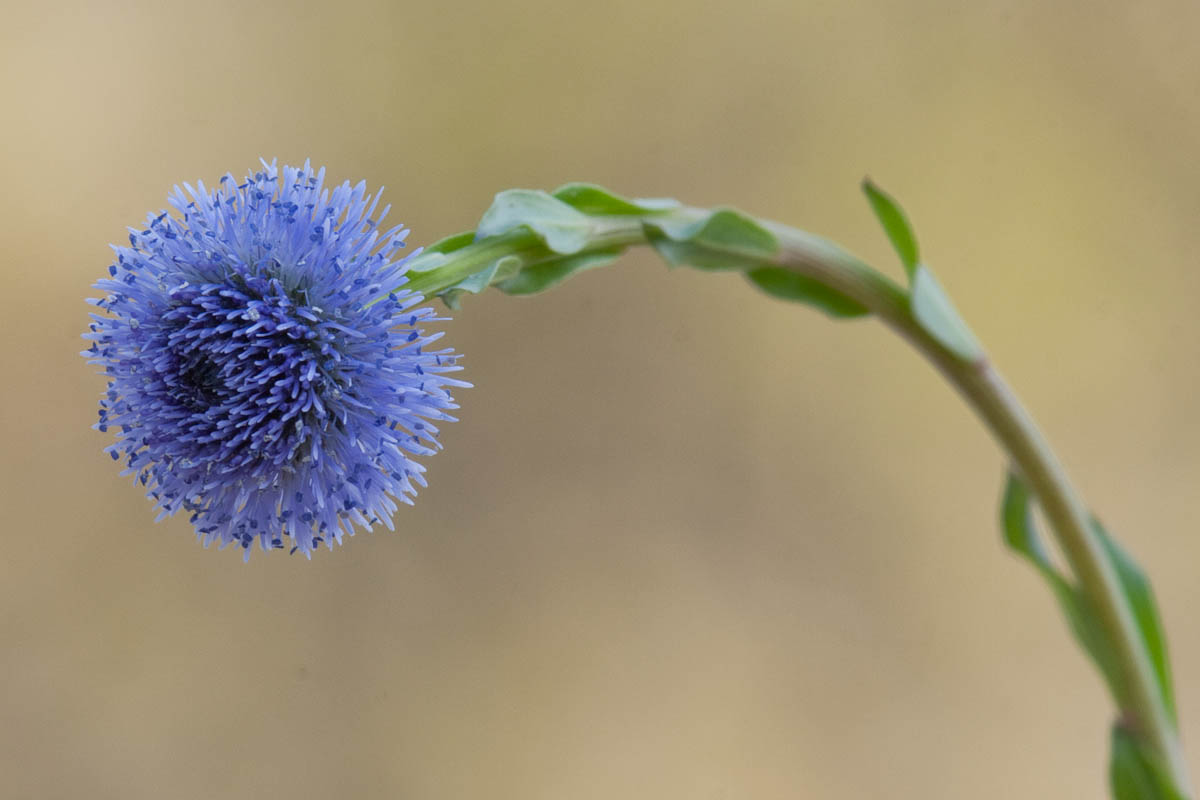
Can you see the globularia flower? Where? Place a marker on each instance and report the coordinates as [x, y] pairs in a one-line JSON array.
[[267, 374]]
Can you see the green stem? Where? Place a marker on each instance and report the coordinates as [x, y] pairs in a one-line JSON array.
[[1143, 711], [995, 403]]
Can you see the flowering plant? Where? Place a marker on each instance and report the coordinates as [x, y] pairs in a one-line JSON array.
[[268, 373]]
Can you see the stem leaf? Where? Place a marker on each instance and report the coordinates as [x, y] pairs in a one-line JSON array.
[[545, 274], [937, 315], [724, 230], [1135, 772], [895, 225], [679, 254], [1016, 521], [723, 240], [564, 229], [451, 243], [435, 255], [498, 270], [1140, 597], [787, 285], [596, 200]]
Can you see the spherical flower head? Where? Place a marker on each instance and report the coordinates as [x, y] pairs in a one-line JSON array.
[[267, 373]]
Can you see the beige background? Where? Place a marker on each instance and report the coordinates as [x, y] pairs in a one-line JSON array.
[[686, 542]]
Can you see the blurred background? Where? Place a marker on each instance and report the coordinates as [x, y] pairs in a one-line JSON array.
[[686, 541]]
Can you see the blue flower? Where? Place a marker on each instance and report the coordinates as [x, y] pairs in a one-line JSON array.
[[266, 372]]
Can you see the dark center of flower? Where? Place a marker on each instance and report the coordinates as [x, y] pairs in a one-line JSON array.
[[200, 383], [254, 371]]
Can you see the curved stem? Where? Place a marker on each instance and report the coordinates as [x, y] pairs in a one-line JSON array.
[[995, 403], [1143, 711]]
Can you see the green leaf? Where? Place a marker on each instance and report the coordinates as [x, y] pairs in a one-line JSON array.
[[596, 200], [937, 315], [451, 243], [541, 276], [451, 297], [930, 304], [434, 256], [1016, 521], [1135, 772], [564, 229], [787, 285], [729, 240], [687, 254], [498, 270], [895, 225], [725, 229], [1140, 597], [723, 240]]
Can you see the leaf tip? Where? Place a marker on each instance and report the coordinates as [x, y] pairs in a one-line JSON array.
[[895, 224]]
